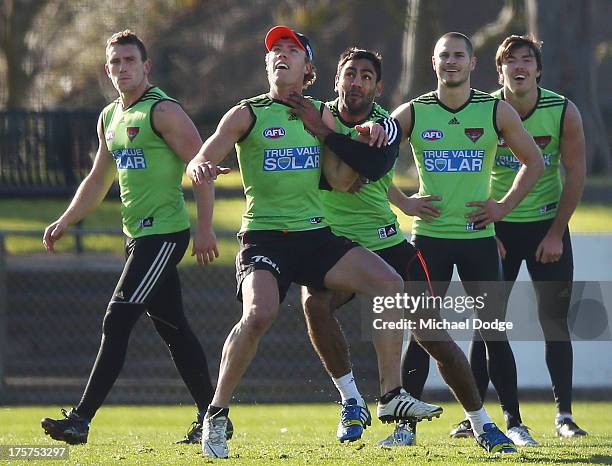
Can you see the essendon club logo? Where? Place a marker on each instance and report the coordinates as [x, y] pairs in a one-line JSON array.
[[474, 133], [132, 132], [542, 141]]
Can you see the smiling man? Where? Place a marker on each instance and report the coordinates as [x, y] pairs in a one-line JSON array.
[[146, 138], [536, 231], [453, 132]]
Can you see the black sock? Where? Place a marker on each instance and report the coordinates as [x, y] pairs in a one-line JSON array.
[[390, 394], [216, 411]]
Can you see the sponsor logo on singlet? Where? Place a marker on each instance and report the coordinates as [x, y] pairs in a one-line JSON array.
[[432, 134], [510, 161], [291, 158], [274, 133], [130, 158], [453, 160], [110, 135], [315, 220], [471, 226], [145, 222], [387, 231], [547, 208]]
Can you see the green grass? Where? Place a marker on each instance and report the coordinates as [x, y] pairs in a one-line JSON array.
[[36, 215], [305, 434]]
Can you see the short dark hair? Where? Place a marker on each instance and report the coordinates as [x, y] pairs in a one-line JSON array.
[[459, 35], [127, 37], [514, 41], [355, 53]]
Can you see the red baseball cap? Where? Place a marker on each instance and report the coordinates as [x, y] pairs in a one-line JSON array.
[[280, 32]]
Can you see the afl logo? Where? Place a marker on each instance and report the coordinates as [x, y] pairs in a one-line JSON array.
[[273, 133], [432, 134]]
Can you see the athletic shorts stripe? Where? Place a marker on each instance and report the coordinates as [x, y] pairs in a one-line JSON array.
[[153, 273]]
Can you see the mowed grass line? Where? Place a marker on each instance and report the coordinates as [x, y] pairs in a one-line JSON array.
[[305, 434]]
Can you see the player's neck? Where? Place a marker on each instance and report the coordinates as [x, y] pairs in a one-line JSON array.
[[454, 97], [128, 98], [524, 103], [281, 92], [354, 118]]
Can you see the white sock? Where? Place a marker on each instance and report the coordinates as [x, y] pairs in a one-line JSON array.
[[478, 419], [561, 416], [347, 387]]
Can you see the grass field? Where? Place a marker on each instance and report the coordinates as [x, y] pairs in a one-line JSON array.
[[305, 434], [36, 215]]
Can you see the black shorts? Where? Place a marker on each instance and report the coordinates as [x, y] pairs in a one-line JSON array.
[[406, 261], [478, 264], [150, 268], [303, 257], [521, 240]]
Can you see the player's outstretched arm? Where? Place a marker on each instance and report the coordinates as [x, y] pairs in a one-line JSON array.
[[573, 158], [234, 124], [89, 195], [525, 149]]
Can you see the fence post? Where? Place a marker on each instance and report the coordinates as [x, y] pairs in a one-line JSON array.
[[3, 315]]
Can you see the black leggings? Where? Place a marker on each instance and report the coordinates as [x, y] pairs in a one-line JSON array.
[[149, 283], [553, 285], [479, 267]]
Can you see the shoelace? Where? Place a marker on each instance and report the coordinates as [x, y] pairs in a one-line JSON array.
[[344, 416], [194, 426], [523, 433], [216, 430], [65, 413]]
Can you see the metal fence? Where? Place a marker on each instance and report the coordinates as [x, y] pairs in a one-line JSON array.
[[51, 310], [50, 152]]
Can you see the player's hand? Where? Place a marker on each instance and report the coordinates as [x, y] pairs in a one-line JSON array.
[[374, 133], [488, 211], [501, 248], [205, 172], [550, 249], [358, 184], [205, 246], [309, 114], [52, 233], [422, 207]]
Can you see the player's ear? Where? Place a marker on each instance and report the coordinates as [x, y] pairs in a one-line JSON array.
[[473, 61], [336, 81], [379, 88], [147, 65], [107, 69]]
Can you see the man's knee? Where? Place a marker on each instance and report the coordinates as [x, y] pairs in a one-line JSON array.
[[120, 318], [258, 318]]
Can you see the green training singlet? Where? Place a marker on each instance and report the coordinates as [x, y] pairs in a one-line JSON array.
[[150, 172], [280, 168], [545, 124], [364, 217], [454, 151]]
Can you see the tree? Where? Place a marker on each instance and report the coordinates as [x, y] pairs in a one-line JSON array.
[[21, 61], [570, 67]]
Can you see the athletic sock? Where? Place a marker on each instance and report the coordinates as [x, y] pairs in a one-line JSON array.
[[478, 419], [216, 411], [390, 395], [348, 388], [560, 417]]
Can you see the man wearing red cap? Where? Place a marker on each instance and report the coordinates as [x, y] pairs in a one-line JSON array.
[[283, 227]]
